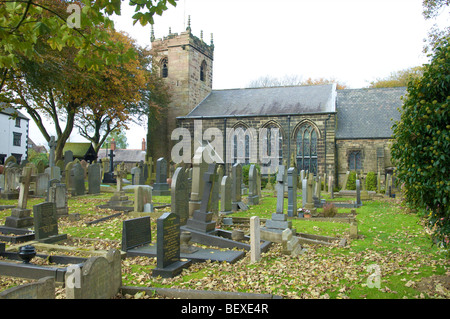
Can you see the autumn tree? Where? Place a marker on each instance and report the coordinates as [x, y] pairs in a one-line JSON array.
[[23, 22], [292, 80], [117, 89], [398, 78]]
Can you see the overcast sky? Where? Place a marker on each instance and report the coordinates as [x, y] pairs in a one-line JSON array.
[[352, 41]]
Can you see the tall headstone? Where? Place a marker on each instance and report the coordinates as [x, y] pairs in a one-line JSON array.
[[236, 172], [68, 157], [53, 171], [378, 182], [161, 187], [292, 192], [344, 185], [309, 199], [304, 192], [136, 175], [119, 197], [45, 220], [94, 178], [77, 173], [42, 180], [225, 197], [330, 186], [255, 239], [180, 194], [168, 263], [280, 189], [358, 193], [108, 177], [12, 175], [202, 218], [215, 193], [199, 167], [253, 197]]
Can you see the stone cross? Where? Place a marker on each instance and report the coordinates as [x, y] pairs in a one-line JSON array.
[[208, 179], [25, 181], [111, 160], [280, 189], [120, 173]]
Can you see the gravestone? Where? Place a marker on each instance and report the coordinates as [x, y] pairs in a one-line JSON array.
[[57, 193], [304, 192], [378, 182], [77, 173], [255, 239], [142, 196], [46, 223], [20, 215], [94, 178], [40, 166], [290, 243], [53, 171], [225, 197], [44, 288], [99, 278], [42, 180], [253, 198], [136, 232], [161, 187], [180, 194], [12, 175], [68, 177], [168, 263], [344, 186], [202, 218], [236, 187], [364, 193], [292, 192], [330, 186], [199, 167], [215, 192], [108, 176], [68, 157], [309, 198], [358, 193], [136, 174], [280, 189]]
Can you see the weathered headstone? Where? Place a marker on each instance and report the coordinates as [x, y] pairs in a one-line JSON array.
[[12, 175], [46, 222], [168, 263], [215, 192], [304, 192], [180, 194], [253, 198], [136, 174], [108, 176], [44, 288], [290, 243], [99, 278], [280, 189], [68, 157], [161, 187], [292, 192], [77, 173], [199, 167], [309, 199], [57, 193], [236, 174], [42, 180], [330, 186], [358, 193], [255, 239], [225, 198], [142, 196], [136, 232], [94, 178]]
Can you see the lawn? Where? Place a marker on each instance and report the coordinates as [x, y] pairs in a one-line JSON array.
[[393, 257]]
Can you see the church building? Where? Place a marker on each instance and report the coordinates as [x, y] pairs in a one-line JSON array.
[[321, 129]]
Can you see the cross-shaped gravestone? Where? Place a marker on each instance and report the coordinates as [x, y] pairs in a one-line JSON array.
[[280, 189], [208, 178], [120, 173], [25, 181], [111, 160]]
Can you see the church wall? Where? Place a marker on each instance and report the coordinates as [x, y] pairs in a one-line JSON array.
[[375, 156]]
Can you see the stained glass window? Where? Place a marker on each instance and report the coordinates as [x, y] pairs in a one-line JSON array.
[[354, 160], [164, 68], [307, 149]]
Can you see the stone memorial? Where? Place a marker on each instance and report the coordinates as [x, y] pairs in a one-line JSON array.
[[225, 197], [68, 157], [253, 197], [280, 189], [304, 192], [290, 243], [358, 193], [309, 198], [236, 197], [99, 278], [108, 176], [292, 192], [161, 187], [57, 193], [44, 288], [255, 239], [136, 232], [77, 174], [11, 174], [180, 194], [168, 263], [142, 196], [330, 186], [46, 223], [199, 167], [94, 178]]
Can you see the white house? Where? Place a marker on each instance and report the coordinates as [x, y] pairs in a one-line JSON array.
[[13, 134]]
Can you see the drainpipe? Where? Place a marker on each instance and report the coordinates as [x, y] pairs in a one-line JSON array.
[[289, 142], [225, 166]]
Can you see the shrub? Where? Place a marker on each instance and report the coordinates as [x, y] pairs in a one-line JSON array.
[[329, 210], [371, 181], [351, 182], [422, 140]]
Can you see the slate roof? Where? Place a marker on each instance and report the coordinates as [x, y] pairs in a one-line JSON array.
[[12, 111], [267, 101], [367, 113], [124, 155]]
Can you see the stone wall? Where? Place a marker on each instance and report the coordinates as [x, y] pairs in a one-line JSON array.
[[375, 156]]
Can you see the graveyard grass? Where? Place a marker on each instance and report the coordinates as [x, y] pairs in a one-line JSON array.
[[390, 238]]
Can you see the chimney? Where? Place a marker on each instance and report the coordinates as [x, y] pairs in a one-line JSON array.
[[113, 145], [144, 148]]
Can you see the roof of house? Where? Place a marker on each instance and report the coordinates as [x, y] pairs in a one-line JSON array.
[[124, 155], [267, 101], [12, 111], [367, 113], [78, 149]]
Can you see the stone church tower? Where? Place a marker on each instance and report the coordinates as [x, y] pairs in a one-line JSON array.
[[186, 63]]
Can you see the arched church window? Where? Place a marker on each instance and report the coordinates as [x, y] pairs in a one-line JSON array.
[[307, 148], [164, 68], [203, 71], [241, 145], [269, 143], [354, 160]]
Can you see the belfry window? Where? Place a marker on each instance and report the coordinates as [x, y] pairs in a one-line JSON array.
[[164, 68], [203, 71], [307, 149]]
